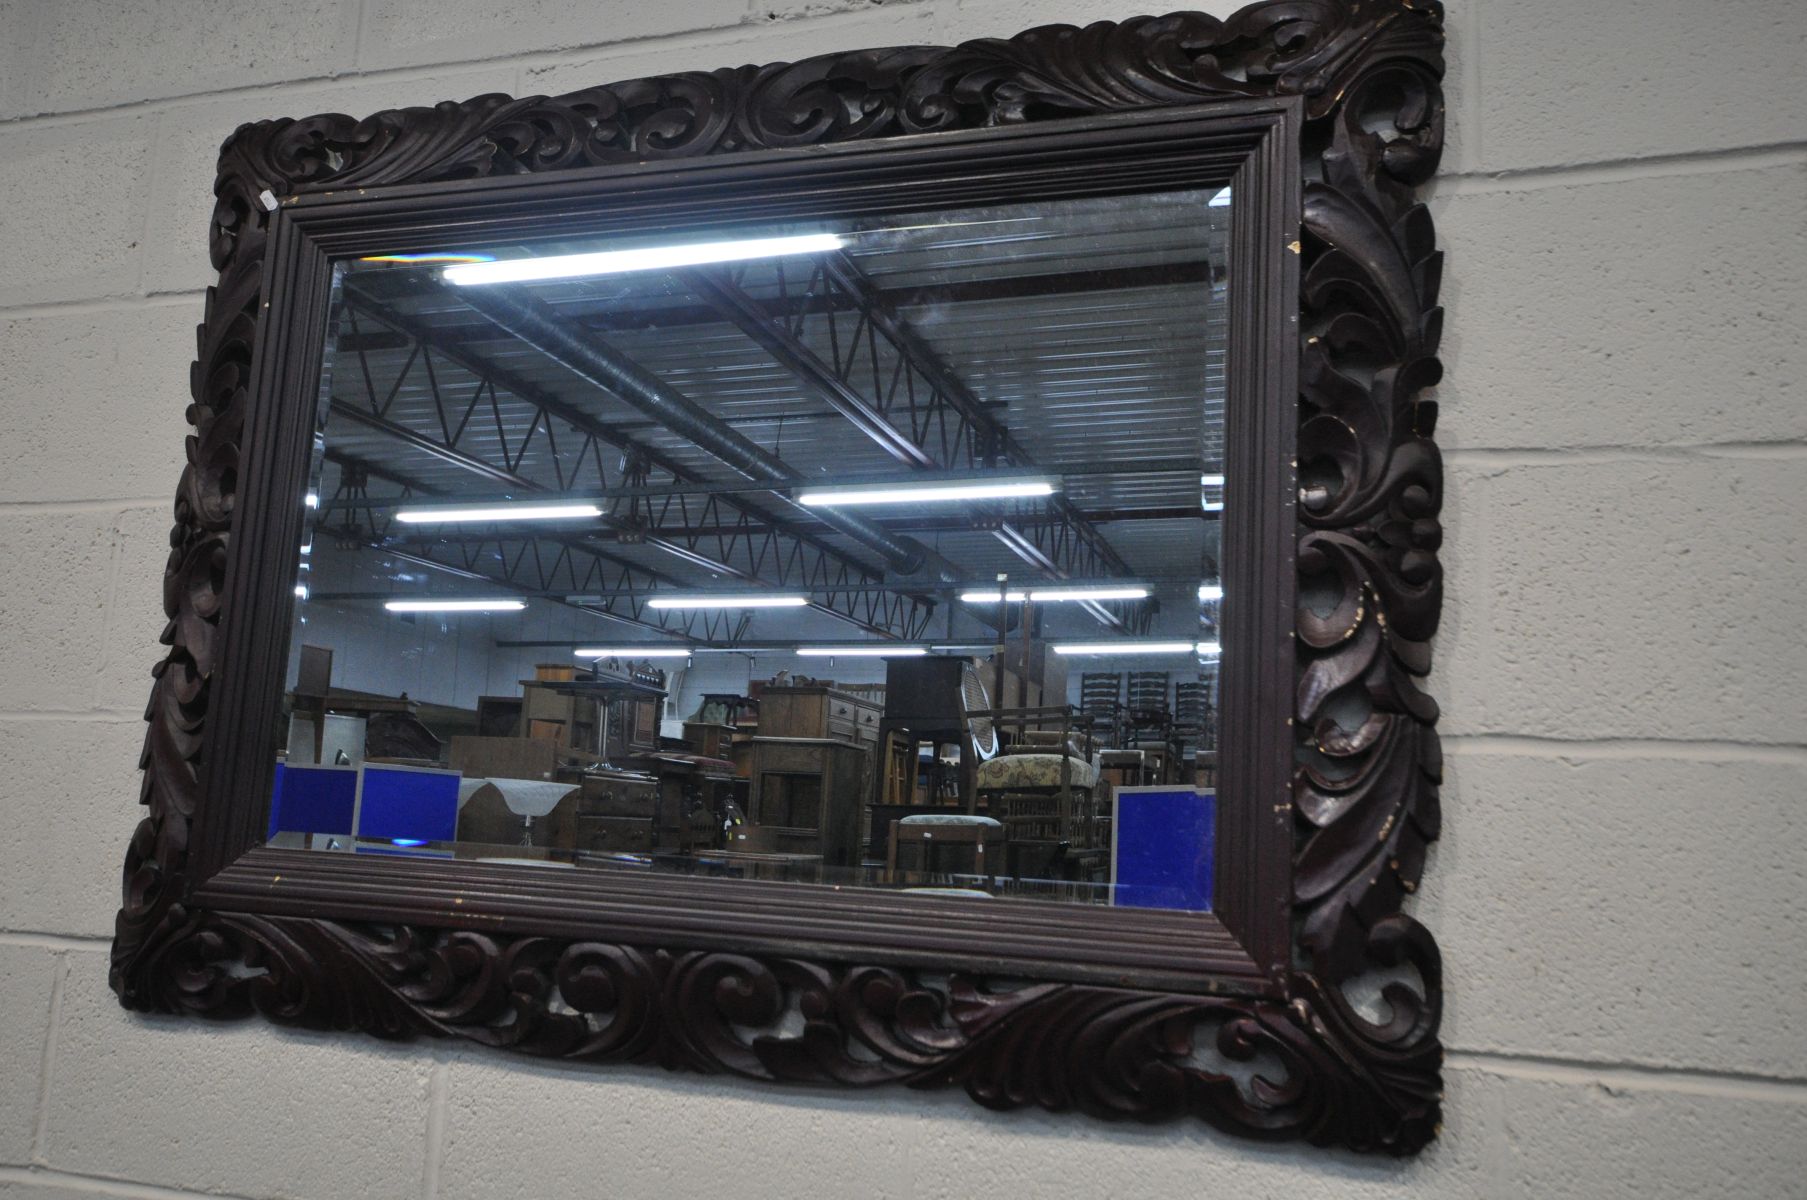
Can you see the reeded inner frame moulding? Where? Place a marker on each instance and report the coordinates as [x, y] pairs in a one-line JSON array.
[[1325, 116]]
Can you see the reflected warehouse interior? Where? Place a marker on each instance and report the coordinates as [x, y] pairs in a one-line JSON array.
[[879, 552]]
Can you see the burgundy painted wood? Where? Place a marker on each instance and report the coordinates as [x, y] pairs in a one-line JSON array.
[[1325, 115]]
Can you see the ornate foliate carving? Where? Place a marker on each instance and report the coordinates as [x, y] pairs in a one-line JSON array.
[[1108, 1052], [1366, 788], [1367, 785]]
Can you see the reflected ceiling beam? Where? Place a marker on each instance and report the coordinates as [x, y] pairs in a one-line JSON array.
[[1157, 582], [425, 334], [785, 646], [780, 340], [345, 410], [765, 540], [512, 561], [640, 318], [912, 525], [533, 561], [1056, 537], [535, 322], [1048, 532], [1189, 469]]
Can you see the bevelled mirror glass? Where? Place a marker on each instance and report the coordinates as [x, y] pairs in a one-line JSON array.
[[876, 552]]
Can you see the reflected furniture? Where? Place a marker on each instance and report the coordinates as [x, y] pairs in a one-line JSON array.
[[617, 811], [817, 710], [1101, 700], [809, 794], [925, 706], [710, 739], [558, 713], [516, 812], [937, 844], [1044, 788], [507, 757]]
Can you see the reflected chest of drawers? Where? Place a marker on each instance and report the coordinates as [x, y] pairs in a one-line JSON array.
[[817, 711]]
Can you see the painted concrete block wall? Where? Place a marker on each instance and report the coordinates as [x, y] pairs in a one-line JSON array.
[[1622, 885]]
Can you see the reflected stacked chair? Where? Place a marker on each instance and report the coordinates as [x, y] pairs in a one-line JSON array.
[[1151, 723], [1101, 705]]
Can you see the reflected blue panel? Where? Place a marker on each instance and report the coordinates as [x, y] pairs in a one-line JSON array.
[[313, 799], [1166, 842], [407, 803]]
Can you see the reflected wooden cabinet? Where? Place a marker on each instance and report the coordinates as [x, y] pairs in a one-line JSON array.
[[617, 813], [807, 796], [817, 711]]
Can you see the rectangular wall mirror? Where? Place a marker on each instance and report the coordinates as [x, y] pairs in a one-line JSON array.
[[880, 553], [913, 566]]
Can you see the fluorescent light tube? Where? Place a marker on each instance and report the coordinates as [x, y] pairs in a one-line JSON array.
[[301, 590], [504, 512], [454, 605], [862, 651], [312, 499], [728, 602], [636, 652], [1210, 591], [646, 258], [1043, 595], [927, 492], [1131, 592], [1208, 648], [1125, 647]]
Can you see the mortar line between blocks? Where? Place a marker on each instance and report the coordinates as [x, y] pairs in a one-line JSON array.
[[359, 30], [101, 1185], [1475, 109], [438, 1090], [1497, 1143], [702, 36], [96, 716], [1784, 449], [1622, 170], [1520, 745], [40, 1126], [84, 943], [120, 506], [148, 187], [1632, 1076], [109, 613], [111, 302]]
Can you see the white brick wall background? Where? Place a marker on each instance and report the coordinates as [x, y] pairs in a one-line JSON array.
[[1622, 887]]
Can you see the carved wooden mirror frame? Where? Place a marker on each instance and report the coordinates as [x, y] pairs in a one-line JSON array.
[[1334, 110]]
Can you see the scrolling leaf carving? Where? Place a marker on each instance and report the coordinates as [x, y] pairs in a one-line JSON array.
[[1107, 1052], [1366, 789]]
